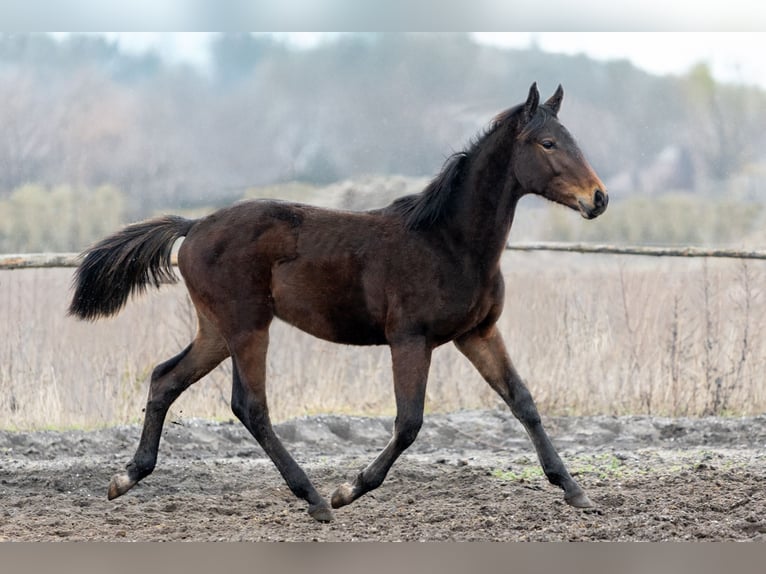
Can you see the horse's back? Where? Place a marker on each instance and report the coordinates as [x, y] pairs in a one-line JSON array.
[[315, 268]]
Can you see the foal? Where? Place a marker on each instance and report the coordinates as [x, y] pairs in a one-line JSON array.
[[414, 275]]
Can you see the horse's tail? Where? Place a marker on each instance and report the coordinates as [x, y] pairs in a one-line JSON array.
[[124, 264]]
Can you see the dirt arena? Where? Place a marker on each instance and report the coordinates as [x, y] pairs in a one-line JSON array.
[[469, 476]]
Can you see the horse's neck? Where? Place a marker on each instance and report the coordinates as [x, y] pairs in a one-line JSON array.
[[487, 205]]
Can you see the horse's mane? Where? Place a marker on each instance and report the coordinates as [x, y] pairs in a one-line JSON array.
[[434, 203], [421, 210]]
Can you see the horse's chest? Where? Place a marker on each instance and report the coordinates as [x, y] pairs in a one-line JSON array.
[[460, 311]]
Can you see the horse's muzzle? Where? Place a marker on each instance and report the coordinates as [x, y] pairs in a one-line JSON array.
[[597, 206]]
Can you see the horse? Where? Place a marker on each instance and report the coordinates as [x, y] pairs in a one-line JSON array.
[[414, 275]]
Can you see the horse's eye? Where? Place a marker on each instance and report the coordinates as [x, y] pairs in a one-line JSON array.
[[548, 144]]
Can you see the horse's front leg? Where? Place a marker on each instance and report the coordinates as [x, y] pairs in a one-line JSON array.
[[488, 354], [411, 360], [248, 401]]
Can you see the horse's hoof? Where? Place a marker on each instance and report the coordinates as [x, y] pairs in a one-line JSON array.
[[579, 500], [120, 484], [342, 496], [321, 512]]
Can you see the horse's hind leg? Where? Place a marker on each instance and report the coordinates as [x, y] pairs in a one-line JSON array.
[[168, 381], [248, 401], [488, 354]]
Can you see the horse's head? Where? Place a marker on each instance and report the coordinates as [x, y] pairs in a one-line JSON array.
[[548, 162]]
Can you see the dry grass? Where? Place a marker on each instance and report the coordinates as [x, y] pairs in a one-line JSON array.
[[591, 334]]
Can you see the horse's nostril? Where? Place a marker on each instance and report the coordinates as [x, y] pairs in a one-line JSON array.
[[600, 199]]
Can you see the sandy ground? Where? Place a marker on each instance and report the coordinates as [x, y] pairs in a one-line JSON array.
[[469, 476]]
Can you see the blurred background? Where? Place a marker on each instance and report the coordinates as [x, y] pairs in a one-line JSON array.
[[98, 130], [102, 129]]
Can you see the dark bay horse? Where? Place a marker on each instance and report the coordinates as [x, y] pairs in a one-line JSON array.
[[414, 275]]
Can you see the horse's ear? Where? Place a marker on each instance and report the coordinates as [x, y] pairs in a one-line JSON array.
[[533, 99], [554, 102]]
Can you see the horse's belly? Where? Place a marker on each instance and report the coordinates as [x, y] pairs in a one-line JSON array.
[[335, 325], [347, 332], [328, 308]]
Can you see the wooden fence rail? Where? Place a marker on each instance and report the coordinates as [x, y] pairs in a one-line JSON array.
[[43, 260], [640, 250], [38, 260]]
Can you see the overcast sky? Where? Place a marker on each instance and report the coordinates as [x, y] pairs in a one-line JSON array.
[[732, 56]]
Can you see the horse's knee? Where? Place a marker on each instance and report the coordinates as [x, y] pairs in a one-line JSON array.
[[527, 413]]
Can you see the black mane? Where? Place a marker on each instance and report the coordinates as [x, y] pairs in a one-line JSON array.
[[421, 210], [434, 203]]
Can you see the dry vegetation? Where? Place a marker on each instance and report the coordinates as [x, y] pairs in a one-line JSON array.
[[591, 334]]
